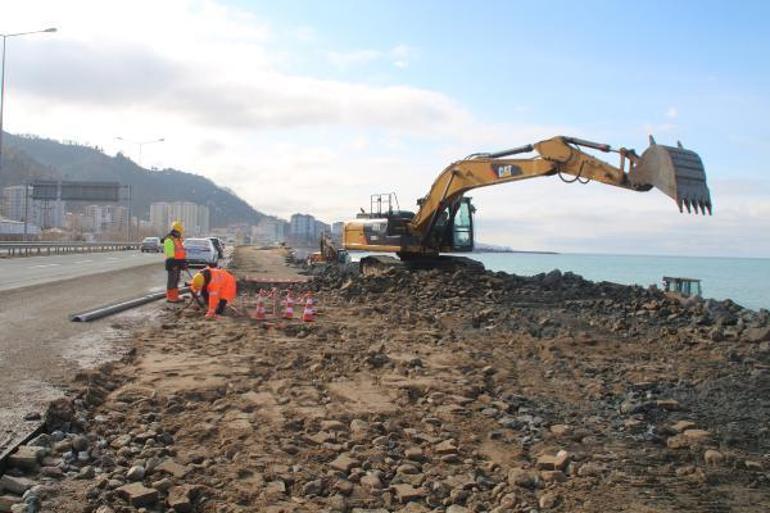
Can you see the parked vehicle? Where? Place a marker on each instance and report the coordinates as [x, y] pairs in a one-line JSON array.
[[151, 245], [200, 252], [219, 245]]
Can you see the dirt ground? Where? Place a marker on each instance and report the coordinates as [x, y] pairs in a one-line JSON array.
[[423, 391], [41, 349]]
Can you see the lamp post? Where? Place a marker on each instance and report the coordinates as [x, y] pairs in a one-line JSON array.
[[140, 144], [2, 80]]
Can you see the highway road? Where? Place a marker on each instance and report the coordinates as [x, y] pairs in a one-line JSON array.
[[40, 349], [28, 271]]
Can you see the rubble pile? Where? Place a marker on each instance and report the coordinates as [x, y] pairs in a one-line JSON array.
[[423, 391]]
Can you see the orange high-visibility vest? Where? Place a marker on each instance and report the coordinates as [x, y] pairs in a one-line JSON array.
[[221, 286]]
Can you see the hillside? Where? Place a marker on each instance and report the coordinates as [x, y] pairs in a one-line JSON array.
[[45, 158]]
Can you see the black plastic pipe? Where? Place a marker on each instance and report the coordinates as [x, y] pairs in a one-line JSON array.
[[104, 311]]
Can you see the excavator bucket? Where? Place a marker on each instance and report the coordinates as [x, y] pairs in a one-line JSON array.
[[677, 172]]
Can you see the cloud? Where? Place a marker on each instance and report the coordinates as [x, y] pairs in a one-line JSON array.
[[672, 113], [398, 56]]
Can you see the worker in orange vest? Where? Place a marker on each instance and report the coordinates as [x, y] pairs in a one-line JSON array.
[[217, 287], [173, 248]]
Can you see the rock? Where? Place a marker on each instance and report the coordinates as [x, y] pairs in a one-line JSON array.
[[406, 492], [80, 443], [138, 495], [179, 499], [120, 441], [522, 478], [668, 404], [26, 457], [590, 469], [332, 425], [371, 481], [713, 457], [51, 471], [754, 466], [682, 425], [8, 501], [697, 435], [135, 473], [344, 486], [343, 463], [553, 476], [359, 427], [548, 500], [548, 462], [17, 485], [757, 334], [163, 485], [41, 440], [313, 487], [275, 489], [170, 466], [454, 508], [414, 454], [561, 430], [104, 509], [86, 472], [407, 468], [446, 447]]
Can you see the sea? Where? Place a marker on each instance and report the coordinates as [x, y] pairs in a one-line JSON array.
[[743, 280]]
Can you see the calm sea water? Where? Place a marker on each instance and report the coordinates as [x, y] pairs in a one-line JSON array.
[[744, 280]]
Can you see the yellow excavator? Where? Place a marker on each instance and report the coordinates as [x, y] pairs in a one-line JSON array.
[[444, 221]]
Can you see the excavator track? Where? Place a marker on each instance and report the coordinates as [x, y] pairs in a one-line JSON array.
[[375, 265]]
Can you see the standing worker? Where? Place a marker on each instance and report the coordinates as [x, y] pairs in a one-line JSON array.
[[173, 248], [217, 287]]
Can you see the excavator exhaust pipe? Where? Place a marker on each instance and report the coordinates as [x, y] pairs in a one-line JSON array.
[[677, 172]]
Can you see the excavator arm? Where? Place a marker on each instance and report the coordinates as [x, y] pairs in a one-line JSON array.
[[444, 222], [677, 172]]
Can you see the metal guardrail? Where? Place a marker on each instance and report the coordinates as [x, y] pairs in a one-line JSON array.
[[14, 249]]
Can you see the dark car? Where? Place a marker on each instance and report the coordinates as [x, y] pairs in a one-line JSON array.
[[218, 245], [151, 245]]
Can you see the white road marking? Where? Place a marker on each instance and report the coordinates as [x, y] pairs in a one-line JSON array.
[[83, 261], [42, 266]]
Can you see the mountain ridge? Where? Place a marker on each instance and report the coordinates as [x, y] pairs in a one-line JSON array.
[[30, 157]]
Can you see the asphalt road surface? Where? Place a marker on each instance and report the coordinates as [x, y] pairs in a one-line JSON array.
[[41, 350], [27, 271]]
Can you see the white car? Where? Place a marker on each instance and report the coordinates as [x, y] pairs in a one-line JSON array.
[[200, 252]]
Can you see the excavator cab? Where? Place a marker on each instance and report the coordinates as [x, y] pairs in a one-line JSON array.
[[454, 227]]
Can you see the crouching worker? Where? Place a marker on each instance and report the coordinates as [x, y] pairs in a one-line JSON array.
[[217, 287], [173, 249]]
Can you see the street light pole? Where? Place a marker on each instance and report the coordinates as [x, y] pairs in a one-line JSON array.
[[2, 81], [140, 144]]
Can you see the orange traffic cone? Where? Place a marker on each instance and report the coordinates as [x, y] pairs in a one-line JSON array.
[[308, 315], [259, 313], [288, 312]]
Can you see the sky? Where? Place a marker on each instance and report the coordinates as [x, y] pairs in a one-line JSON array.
[[309, 106]]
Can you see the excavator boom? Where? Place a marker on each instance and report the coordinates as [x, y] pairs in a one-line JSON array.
[[443, 222]]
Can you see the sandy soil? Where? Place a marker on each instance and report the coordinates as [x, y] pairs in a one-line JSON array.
[[424, 392]]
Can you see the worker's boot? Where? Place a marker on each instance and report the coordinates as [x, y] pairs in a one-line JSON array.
[[172, 296]]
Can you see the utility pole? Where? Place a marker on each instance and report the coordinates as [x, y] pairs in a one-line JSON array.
[[140, 144], [2, 81]]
